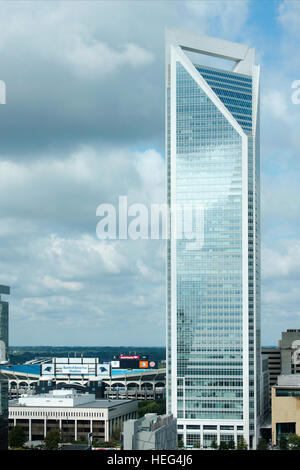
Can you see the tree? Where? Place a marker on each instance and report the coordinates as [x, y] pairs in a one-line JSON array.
[[180, 444], [223, 445], [231, 444], [242, 444], [214, 444], [262, 444], [283, 444], [104, 444], [16, 437], [151, 406], [197, 445], [294, 442], [116, 435], [52, 439]]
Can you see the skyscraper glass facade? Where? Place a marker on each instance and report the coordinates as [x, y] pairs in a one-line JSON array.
[[3, 360], [213, 313]]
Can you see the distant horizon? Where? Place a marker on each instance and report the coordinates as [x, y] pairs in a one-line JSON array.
[[84, 346], [93, 346]]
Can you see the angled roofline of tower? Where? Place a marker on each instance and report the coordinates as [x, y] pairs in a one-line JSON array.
[[241, 54], [4, 290]]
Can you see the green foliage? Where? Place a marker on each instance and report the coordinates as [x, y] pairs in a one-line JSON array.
[[105, 444], [294, 442], [231, 444], [283, 444], [16, 437], [151, 406], [52, 439], [262, 444], [197, 445], [116, 436], [214, 444], [115, 440], [180, 444], [223, 445], [242, 444]]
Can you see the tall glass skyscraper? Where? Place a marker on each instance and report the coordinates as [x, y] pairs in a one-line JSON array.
[[213, 290]]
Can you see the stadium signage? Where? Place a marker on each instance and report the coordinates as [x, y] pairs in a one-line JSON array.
[[128, 357], [72, 369]]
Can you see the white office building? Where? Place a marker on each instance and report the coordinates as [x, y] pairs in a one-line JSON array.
[[75, 414]]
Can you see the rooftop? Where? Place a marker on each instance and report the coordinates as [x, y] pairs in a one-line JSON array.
[[65, 398], [288, 381], [153, 421]]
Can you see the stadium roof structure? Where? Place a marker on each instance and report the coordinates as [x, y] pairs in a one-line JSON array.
[[33, 371]]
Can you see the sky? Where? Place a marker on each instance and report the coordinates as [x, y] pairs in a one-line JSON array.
[[84, 124]]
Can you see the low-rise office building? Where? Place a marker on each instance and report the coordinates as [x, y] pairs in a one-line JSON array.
[[273, 355], [75, 414], [265, 393], [152, 432], [285, 407], [285, 358], [265, 401]]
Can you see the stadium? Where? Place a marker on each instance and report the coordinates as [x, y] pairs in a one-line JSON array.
[[105, 380]]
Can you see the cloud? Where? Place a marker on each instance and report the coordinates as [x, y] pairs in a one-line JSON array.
[[83, 256], [93, 72], [289, 16], [98, 59], [99, 291], [282, 262], [67, 191], [57, 284], [226, 16], [280, 202], [61, 275], [275, 106], [69, 87], [83, 124], [280, 287]]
